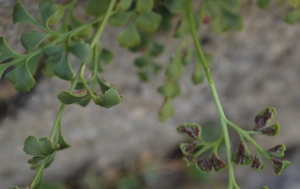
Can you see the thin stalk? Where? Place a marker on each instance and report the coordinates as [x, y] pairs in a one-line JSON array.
[[62, 106], [96, 38], [86, 85], [103, 24], [246, 135], [213, 92]]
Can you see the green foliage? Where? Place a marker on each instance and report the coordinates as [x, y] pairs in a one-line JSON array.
[[110, 98], [166, 110], [31, 40], [82, 51], [292, 17], [5, 51], [120, 18], [21, 78], [20, 14], [148, 21], [61, 33], [123, 5], [96, 7], [39, 147], [68, 97], [263, 3], [129, 36], [144, 5], [60, 139], [63, 69]]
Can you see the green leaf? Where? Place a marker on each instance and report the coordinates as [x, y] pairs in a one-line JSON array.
[[119, 19], [63, 69], [58, 14], [20, 14], [85, 101], [263, 3], [42, 147], [142, 61], [3, 67], [106, 56], [82, 51], [96, 7], [60, 139], [129, 36], [31, 40], [231, 20], [110, 98], [49, 160], [37, 162], [21, 78], [53, 52], [5, 51], [182, 28], [227, 20], [68, 97], [84, 33], [198, 73], [144, 5], [166, 110], [175, 68], [47, 8], [156, 67], [145, 39], [190, 130], [47, 69], [80, 84], [104, 85], [175, 6], [232, 5], [294, 3], [171, 89], [148, 21], [143, 76], [33, 63], [36, 183], [292, 17], [123, 5], [155, 49]]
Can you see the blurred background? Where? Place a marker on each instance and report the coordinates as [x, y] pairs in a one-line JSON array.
[[126, 147]]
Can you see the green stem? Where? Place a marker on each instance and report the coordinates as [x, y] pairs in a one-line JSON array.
[[103, 24], [86, 85], [246, 135], [93, 43], [213, 92], [95, 71], [62, 106]]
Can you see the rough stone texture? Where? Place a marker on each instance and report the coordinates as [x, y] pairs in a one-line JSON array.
[[252, 69]]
